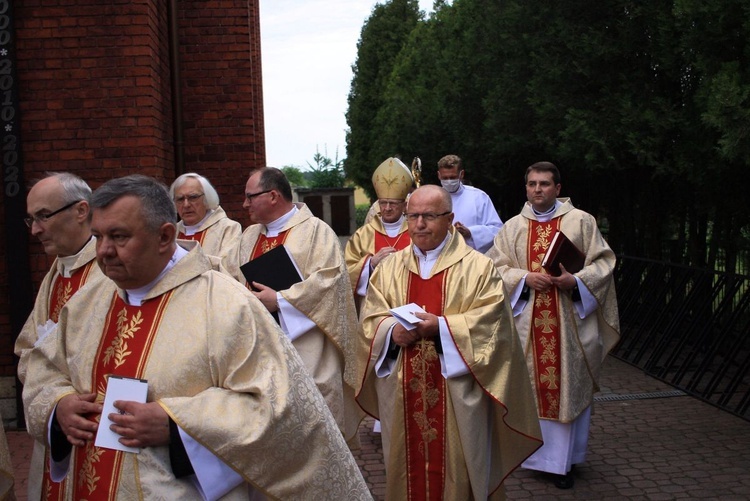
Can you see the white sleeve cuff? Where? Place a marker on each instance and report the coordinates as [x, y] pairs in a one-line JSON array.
[[293, 322], [57, 470], [587, 305], [213, 477], [384, 366], [516, 303], [364, 278], [451, 362]]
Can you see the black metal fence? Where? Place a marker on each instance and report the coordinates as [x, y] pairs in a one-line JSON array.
[[687, 327]]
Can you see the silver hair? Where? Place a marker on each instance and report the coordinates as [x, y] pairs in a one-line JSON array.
[[210, 198], [74, 188]]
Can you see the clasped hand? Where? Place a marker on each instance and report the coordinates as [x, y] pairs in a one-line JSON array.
[[139, 425], [542, 282], [427, 328]]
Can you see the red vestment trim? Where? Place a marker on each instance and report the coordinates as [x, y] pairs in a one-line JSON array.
[[198, 237], [382, 240], [265, 244], [545, 325], [129, 334], [424, 399], [63, 289]]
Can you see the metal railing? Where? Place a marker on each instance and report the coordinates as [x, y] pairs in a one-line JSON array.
[[687, 327]]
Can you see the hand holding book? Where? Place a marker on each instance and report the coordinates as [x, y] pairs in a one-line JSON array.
[[562, 250]]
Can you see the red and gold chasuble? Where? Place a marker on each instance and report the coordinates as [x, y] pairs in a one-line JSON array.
[[382, 240], [265, 244], [129, 334], [62, 290], [198, 237], [424, 399], [65, 287], [545, 325]]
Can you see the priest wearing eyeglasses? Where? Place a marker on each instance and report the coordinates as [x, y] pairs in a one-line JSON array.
[[452, 390], [318, 313], [59, 216], [201, 217], [385, 233]]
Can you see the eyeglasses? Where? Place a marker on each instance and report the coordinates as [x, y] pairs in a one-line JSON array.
[[190, 198], [427, 216], [42, 218], [250, 196], [390, 203]]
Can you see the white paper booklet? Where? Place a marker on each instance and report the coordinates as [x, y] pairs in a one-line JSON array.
[[405, 315], [119, 388]]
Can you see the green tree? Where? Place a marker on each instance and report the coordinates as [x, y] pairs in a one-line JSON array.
[[326, 172], [644, 106], [295, 175], [383, 35]]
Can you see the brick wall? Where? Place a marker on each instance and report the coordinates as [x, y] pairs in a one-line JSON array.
[[95, 99]]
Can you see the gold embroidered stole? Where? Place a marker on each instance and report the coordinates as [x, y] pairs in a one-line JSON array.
[[198, 237], [424, 399], [545, 325], [129, 334], [265, 244], [382, 240], [62, 290]]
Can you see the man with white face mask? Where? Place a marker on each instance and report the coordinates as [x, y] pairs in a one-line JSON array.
[[475, 216]]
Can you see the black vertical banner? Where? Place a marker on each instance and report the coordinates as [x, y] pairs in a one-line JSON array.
[[21, 290]]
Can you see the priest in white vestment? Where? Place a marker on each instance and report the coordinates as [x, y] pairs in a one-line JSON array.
[[476, 218], [201, 217], [59, 216], [317, 313], [385, 233], [567, 323]]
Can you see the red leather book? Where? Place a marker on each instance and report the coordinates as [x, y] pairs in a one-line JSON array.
[[562, 250]]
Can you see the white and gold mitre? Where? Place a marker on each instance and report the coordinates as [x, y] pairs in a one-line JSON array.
[[392, 180]]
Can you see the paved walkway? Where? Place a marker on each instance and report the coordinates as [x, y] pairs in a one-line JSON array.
[[647, 442]]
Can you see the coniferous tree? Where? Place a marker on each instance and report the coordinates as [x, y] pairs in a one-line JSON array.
[[383, 35]]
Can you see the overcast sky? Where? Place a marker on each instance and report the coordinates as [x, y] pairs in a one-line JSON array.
[[308, 48]]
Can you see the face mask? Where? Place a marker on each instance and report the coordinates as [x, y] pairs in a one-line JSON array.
[[450, 185]]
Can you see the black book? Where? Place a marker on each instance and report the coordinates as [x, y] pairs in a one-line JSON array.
[[562, 250], [274, 269]]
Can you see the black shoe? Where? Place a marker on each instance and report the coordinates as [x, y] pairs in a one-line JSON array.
[[565, 481]]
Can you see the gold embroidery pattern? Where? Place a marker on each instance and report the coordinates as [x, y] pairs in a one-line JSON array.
[[423, 384], [549, 378], [553, 408], [119, 347], [267, 246], [542, 242], [536, 264], [546, 321], [389, 181], [550, 347], [545, 327], [62, 297], [542, 299], [89, 478], [101, 390]]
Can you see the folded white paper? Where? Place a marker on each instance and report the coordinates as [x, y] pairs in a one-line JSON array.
[[119, 388], [405, 315]]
